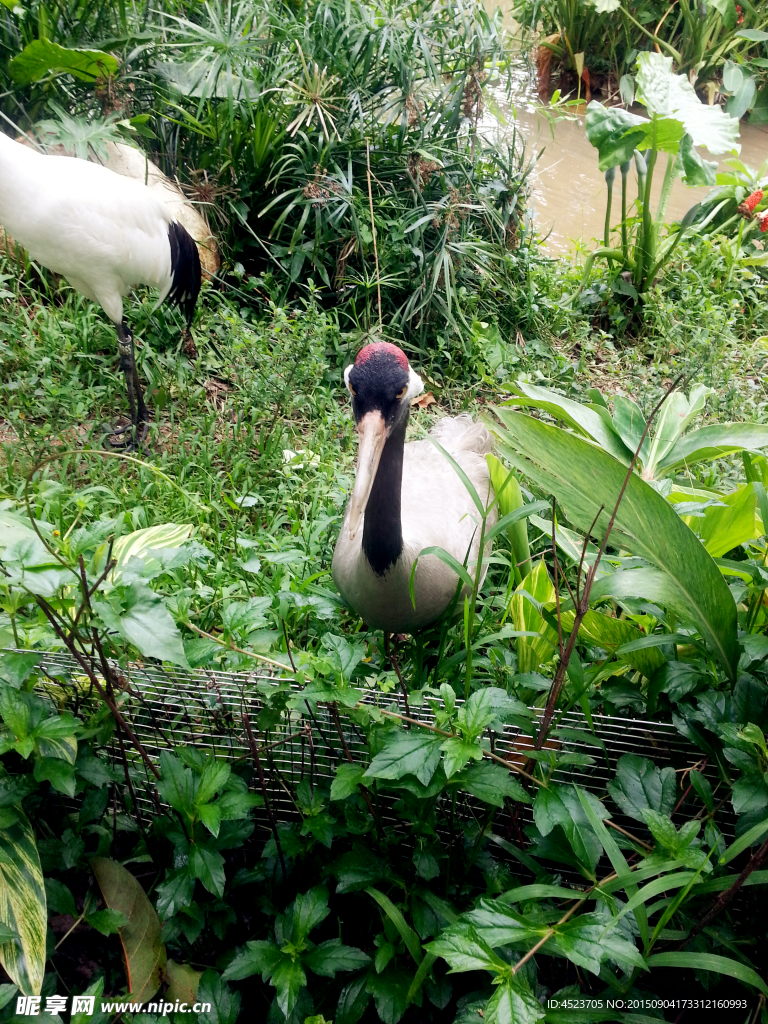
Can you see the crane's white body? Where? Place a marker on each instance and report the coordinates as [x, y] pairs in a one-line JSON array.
[[103, 232], [436, 511]]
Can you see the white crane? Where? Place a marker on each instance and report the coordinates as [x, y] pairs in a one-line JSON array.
[[406, 497], [105, 234]]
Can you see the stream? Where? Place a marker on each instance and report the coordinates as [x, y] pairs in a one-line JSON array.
[[568, 196]]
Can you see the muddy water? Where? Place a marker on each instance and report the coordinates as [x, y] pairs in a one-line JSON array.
[[568, 190]]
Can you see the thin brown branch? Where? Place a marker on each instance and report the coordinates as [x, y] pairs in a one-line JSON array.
[[725, 898], [583, 605], [263, 783], [238, 650], [87, 668], [288, 645]]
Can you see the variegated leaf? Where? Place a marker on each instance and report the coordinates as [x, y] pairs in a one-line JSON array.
[[22, 902], [133, 545]]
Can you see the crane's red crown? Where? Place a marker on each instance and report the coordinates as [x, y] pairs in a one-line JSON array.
[[381, 348]]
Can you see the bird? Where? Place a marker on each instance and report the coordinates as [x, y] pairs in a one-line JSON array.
[[105, 233], [406, 497]]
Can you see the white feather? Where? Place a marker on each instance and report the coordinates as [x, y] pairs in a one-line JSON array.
[[437, 511], [102, 231]]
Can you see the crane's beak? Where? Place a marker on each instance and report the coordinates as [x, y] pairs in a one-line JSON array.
[[372, 432]]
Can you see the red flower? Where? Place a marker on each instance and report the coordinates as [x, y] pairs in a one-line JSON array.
[[763, 217], [751, 201]]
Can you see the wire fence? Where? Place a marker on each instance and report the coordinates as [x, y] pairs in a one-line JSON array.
[[204, 708]]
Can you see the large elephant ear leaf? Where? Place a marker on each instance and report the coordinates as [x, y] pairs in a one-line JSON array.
[[672, 96], [587, 483], [145, 957], [22, 903]]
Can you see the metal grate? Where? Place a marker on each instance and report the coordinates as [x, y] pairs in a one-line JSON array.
[[171, 707]]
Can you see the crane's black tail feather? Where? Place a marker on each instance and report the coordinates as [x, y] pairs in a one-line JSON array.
[[185, 267]]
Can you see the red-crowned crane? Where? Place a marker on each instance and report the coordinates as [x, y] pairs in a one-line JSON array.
[[406, 497], [105, 233]]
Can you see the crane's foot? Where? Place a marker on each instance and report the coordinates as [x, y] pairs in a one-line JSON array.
[[128, 438]]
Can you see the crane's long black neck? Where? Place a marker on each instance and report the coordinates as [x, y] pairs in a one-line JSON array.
[[382, 526]]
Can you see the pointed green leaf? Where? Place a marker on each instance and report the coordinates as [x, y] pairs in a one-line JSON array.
[[22, 904]]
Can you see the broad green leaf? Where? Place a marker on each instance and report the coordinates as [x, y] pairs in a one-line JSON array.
[[153, 538], [487, 705], [332, 956], [513, 1002], [41, 56], [22, 905], [175, 892], [614, 133], [212, 780], [611, 633], [673, 96], [60, 774], [507, 490], [464, 950], [144, 952], [531, 653], [710, 962], [674, 416], [590, 939], [353, 1000], [639, 785], [499, 924], [145, 622], [713, 442], [106, 922], [16, 668], [224, 1003], [681, 844], [579, 417], [176, 784], [457, 752], [629, 422], [60, 899], [390, 992], [491, 783], [309, 910], [696, 170], [288, 978], [560, 805], [346, 780], [583, 478], [207, 864], [730, 523], [257, 957], [415, 752]]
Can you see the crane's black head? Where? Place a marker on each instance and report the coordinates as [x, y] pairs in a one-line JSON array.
[[381, 380], [382, 385]]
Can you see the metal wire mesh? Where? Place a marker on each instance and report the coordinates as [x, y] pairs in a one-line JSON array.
[[167, 708]]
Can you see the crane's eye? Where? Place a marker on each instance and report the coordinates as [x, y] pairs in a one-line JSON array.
[[351, 390], [401, 394]]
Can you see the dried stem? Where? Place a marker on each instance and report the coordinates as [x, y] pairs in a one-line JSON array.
[[264, 793], [725, 898], [583, 605]]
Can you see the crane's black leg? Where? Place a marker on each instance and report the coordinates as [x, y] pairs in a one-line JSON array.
[[139, 413]]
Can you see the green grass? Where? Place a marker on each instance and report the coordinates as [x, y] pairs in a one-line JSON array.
[[267, 380]]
